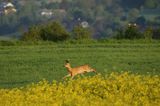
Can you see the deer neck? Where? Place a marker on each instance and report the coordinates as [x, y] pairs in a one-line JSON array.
[[69, 68]]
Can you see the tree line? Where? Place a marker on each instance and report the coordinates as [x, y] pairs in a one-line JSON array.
[[104, 16], [55, 31]]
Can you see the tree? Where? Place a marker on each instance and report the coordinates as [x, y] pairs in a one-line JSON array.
[[54, 32], [29, 14], [132, 3], [156, 33], [78, 13], [120, 34], [86, 4], [141, 21], [133, 14], [148, 34], [131, 32], [150, 3], [81, 33], [33, 34]]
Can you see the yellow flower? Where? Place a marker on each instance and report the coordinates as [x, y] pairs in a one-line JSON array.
[[114, 89]]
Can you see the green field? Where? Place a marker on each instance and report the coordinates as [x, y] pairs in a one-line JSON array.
[[21, 65]]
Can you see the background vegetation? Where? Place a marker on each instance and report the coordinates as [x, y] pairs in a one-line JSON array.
[[103, 16], [55, 31], [51, 32]]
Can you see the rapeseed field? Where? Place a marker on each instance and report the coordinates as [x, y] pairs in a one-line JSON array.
[[115, 89]]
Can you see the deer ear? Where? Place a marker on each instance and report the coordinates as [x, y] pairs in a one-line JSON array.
[[67, 61]]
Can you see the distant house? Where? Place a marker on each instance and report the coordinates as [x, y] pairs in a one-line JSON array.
[[7, 8], [56, 13], [46, 12], [84, 24]]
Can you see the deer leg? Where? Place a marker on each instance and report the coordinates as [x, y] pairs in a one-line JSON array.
[[72, 76], [66, 76], [82, 75], [94, 70]]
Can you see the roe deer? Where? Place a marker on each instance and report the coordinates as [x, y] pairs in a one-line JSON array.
[[77, 70]]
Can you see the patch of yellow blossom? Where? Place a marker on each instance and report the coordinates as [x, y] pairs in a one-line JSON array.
[[112, 90]]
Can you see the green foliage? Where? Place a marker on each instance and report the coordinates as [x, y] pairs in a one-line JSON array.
[[51, 32], [148, 34], [131, 32], [33, 34], [150, 3], [7, 43], [100, 15], [120, 34], [81, 33], [54, 32], [156, 33], [133, 14]]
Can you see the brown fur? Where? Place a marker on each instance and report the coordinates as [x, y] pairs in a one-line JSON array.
[[77, 70]]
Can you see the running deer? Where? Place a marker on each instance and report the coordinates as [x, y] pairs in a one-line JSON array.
[[77, 70]]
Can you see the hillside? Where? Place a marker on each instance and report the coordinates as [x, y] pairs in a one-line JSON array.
[[104, 17]]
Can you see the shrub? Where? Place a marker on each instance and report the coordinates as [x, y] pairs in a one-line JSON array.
[[33, 34], [54, 32], [156, 33], [148, 33], [120, 34], [81, 33], [51, 32], [7, 43], [131, 32]]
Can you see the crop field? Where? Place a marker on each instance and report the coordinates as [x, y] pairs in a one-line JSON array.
[[128, 74], [123, 89], [21, 65]]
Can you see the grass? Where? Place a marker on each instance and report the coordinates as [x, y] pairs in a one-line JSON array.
[[21, 65]]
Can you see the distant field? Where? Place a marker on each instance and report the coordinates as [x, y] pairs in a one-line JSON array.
[[21, 65]]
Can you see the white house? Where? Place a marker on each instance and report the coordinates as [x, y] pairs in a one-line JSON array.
[[7, 8], [84, 24], [8, 5], [46, 12]]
